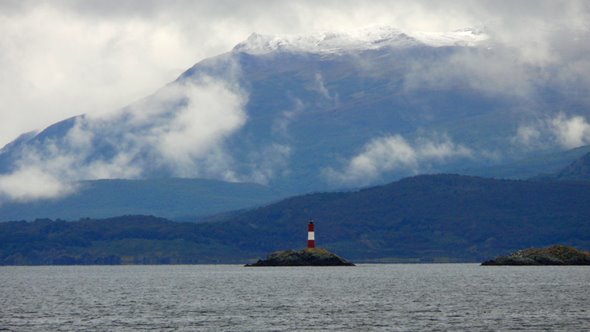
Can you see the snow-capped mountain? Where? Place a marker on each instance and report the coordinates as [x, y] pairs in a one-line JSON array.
[[357, 40], [316, 112]]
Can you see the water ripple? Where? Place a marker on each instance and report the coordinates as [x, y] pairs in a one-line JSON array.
[[231, 298]]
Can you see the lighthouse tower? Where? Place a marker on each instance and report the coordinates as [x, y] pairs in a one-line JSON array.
[[310, 235]]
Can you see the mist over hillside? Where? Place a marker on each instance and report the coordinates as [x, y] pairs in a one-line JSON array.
[[172, 198]]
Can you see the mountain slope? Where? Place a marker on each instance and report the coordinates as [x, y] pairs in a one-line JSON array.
[[577, 170], [532, 166]]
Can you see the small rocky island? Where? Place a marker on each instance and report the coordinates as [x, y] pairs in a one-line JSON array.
[[305, 257], [555, 255]]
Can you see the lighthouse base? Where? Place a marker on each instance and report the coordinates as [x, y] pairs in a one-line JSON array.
[[305, 257]]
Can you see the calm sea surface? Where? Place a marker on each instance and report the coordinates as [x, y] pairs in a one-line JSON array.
[[232, 298]]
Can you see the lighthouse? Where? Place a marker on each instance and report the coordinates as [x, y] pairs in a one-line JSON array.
[[310, 235]]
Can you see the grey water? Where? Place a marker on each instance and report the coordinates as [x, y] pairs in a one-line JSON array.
[[388, 297]]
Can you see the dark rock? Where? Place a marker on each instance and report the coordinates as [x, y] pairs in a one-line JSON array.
[[555, 255], [305, 257]]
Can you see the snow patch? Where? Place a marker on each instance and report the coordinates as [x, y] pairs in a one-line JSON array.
[[370, 38]]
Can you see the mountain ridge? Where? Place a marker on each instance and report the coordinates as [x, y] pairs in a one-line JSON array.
[[480, 213], [354, 40]]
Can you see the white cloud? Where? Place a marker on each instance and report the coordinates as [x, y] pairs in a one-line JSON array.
[[212, 112], [495, 72], [559, 130], [320, 87], [571, 132], [180, 130], [281, 124], [394, 153], [271, 161], [57, 63], [527, 135], [32, 183]]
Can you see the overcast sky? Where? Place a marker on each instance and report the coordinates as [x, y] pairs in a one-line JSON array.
[[63, 58]]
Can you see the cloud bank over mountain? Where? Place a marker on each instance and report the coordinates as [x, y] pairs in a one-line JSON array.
[[561, 129], [386, 154], [181, 129], [64, 58], [526, 63]]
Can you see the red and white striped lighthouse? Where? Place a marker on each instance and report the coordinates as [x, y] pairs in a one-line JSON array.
[[310, 235]]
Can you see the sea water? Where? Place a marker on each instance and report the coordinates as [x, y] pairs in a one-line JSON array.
[[234, 298]]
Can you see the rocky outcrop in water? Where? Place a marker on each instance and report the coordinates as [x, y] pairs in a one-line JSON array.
[[555, 255], [305, 257]]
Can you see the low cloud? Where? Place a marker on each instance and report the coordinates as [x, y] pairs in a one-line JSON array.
[[32, 183], [271, 161], [320, 88], [179, 131], [560, 130], [190, 143], [395, 153], [493, 72], [571, 132], [280, 126], [527, 135]]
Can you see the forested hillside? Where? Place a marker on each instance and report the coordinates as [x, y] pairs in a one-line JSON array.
[[423, 218]]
